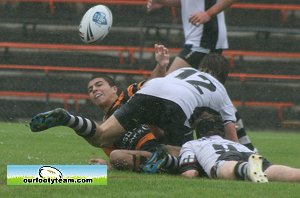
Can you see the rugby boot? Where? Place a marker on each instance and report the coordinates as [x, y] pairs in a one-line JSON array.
[[49, 119], [255, 172]]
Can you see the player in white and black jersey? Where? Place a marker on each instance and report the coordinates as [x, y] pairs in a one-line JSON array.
[[224, 159], [204, 28], [210, 36]]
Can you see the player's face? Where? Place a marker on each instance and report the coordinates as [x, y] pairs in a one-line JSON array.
[[101, 93]]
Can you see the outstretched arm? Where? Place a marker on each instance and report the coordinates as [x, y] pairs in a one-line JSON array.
[[203, 17], [100, 161], [162, 58], [230, 132]]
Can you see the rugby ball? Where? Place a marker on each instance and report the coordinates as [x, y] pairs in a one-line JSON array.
[[95, 24]]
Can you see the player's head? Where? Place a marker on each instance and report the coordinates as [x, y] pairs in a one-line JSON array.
[[216, 65], [207, 122], [102, 90]]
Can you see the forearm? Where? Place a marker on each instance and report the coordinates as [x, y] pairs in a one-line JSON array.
[[162, 58], [230, 132], [219, 7], [159, 71]]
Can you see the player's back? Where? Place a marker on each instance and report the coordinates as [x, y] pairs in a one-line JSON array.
[[209, 149], [190, 88]]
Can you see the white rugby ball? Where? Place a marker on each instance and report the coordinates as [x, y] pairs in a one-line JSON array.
[[95, 24]]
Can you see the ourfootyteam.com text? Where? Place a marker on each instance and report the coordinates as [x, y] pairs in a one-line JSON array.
[[56, 180]]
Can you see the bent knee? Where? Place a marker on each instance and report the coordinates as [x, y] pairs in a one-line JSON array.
[[190, 173]]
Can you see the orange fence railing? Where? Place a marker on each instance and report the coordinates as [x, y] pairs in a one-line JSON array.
[[131, 50], [75, 97], [46, 69], [145, 73], [66, 97], [280, 106]]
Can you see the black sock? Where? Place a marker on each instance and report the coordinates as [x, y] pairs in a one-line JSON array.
[[242, 134], [82, 126], [171, 164], [240, 170]]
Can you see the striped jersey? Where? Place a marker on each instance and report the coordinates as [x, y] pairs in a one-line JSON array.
[[211, 35], [207, 150]]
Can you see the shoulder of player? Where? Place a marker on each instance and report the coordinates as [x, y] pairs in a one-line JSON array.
[[133, 88]]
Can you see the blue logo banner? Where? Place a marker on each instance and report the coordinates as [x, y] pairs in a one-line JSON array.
[[56, 175]]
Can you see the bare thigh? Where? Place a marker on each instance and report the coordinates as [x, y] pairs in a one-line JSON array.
[[226, 170]]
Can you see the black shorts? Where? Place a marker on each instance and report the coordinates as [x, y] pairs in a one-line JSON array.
[[242, 156], [192, 57], [165, 114]]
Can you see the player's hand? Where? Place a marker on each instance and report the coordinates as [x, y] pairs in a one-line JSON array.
[[162, 55], [152, 5], [98, 161], [199, 18]]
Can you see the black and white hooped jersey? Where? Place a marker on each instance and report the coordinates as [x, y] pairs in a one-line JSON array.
[[207, 150], [190, 88], [211, 35]]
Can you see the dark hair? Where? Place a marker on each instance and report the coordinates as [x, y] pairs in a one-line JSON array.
[[107, 78], [207, 122], [216, 65]]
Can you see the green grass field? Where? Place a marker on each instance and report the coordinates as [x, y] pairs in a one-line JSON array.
[[61, 146]]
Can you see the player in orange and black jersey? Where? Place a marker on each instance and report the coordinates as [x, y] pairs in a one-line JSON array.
[[103, 93], [137, 145]]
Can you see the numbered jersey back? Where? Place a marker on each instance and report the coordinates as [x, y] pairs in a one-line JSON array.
[[190, 88]]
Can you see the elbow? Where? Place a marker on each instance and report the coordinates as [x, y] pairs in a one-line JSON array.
[[190, 174]]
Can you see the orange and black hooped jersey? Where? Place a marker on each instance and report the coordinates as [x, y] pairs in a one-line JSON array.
[[136, 138], [123, 97]]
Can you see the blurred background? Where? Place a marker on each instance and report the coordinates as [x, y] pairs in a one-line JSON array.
[[44, 64]]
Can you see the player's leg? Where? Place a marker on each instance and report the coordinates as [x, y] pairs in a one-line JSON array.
[[97, 135], [283, 173], [186, 58], [239, 168], [255, 169], [225, 170], [242, 134], [60, 117], [161, 161], [106, 133]]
